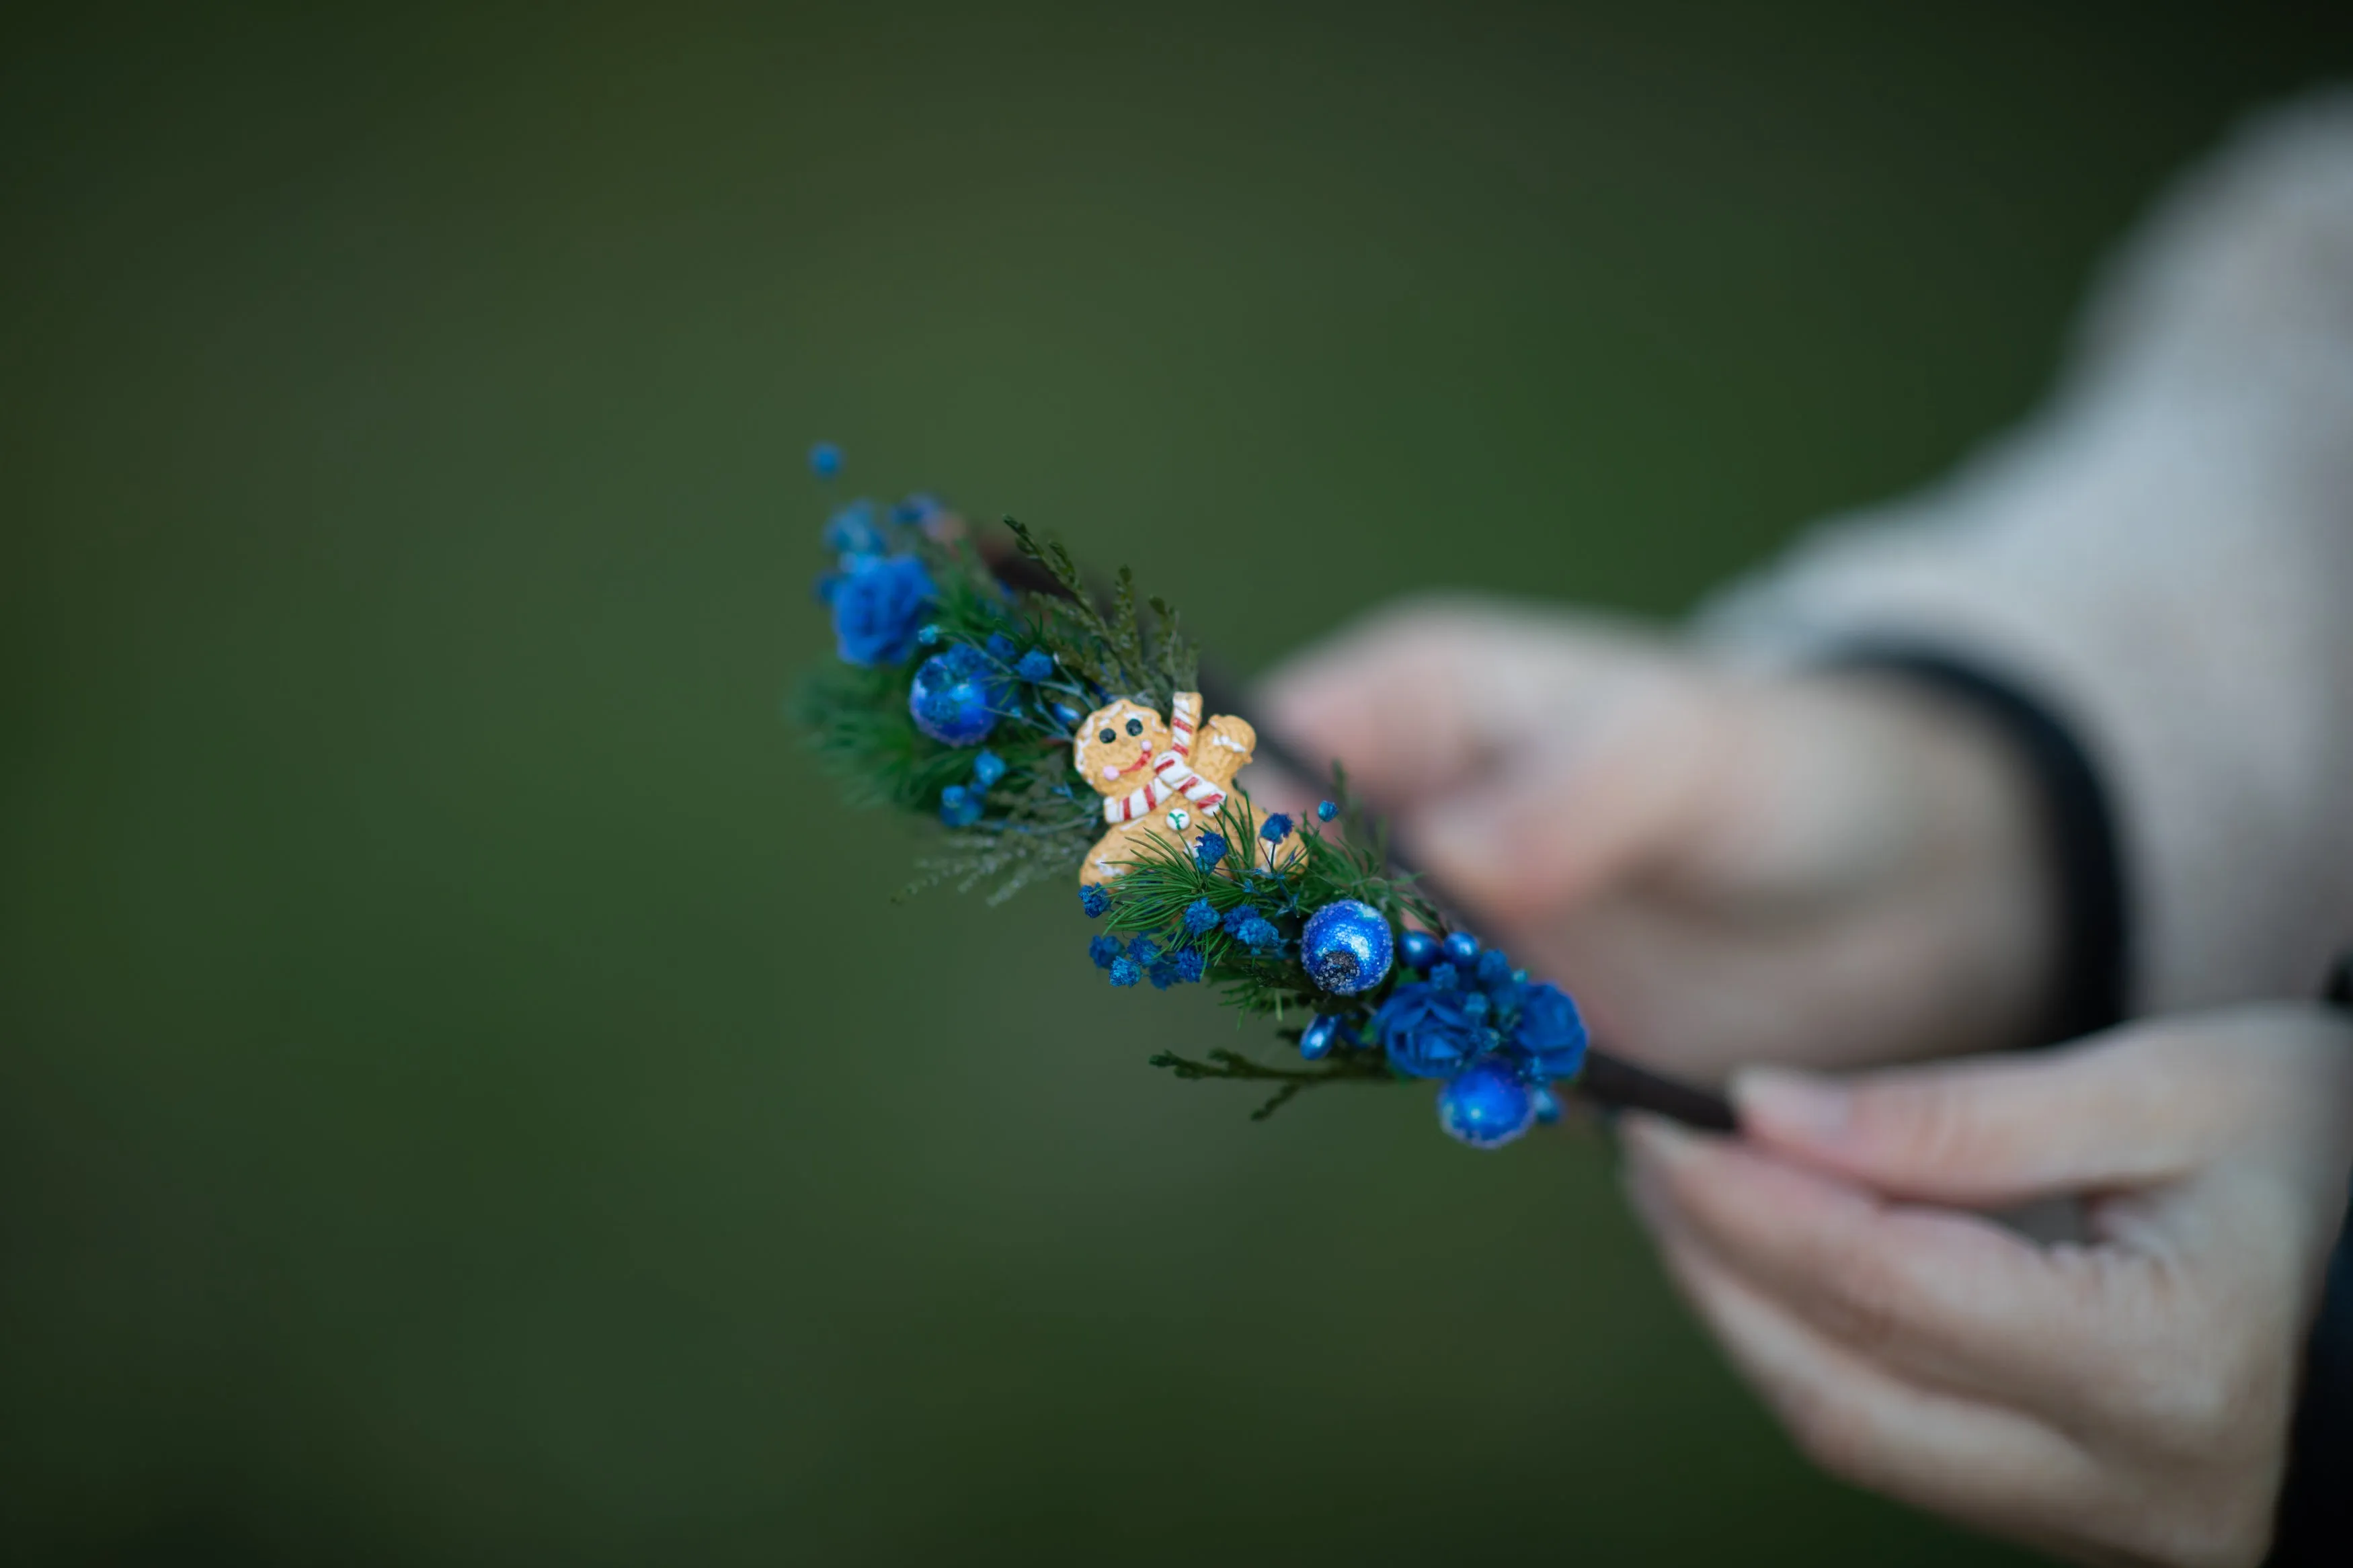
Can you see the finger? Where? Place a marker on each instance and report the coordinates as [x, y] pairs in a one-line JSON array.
[[1948, 1298], [1424, 695], [1569, 815], [2126, 1110], [1277, 788], [1963, 1458]]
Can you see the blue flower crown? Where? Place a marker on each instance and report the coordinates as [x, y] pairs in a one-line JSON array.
[[963, 689]]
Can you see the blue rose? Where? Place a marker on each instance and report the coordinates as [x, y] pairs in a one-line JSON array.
[[1427, 1032], [878, 605], [1549, 1032]]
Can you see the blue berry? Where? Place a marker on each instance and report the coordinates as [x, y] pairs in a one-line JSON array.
[[959, 807], [987, 769], [1315, 1040], [1462, 948], [1419, 949], [1326, 810], [1485, 1104]]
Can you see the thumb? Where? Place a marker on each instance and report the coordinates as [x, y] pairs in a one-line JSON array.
[[1427, 695], [2113, 1112]]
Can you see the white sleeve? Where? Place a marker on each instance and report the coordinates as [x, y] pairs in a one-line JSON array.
[[2164, 557]]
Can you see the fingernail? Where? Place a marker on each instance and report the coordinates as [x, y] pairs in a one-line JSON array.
[[1795, 1105], [1656, 1138]]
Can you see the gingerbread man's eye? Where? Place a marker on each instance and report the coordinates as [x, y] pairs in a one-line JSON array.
[[1135, 726], [1108, 735]]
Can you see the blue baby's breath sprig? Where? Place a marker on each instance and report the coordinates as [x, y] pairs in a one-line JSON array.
[[955, 697]]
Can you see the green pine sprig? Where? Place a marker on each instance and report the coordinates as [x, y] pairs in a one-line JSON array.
[[1040, 817], [1118, 653]]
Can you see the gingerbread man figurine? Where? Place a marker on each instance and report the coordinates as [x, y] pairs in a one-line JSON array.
[[1152, 783]]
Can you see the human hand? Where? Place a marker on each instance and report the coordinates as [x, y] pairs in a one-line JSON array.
[[2124, 1399], [1855, 867]]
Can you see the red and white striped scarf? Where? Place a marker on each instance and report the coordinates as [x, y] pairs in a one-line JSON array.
[[1173, 773]]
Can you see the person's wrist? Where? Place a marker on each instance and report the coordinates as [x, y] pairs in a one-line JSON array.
[[2075, 839], [1985, 892]]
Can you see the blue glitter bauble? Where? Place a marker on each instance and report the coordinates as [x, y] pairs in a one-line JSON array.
[[1486, 1104], [1346, 947], [1316, 1042], [955, 697], [1462, 948], [1419, 949]]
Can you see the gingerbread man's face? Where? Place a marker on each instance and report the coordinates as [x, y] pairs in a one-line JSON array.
[[1118, 744]]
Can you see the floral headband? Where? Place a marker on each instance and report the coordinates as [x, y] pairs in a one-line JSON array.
[[1052, 739]]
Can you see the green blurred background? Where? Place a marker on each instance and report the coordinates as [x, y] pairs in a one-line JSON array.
[[465, 1093]]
